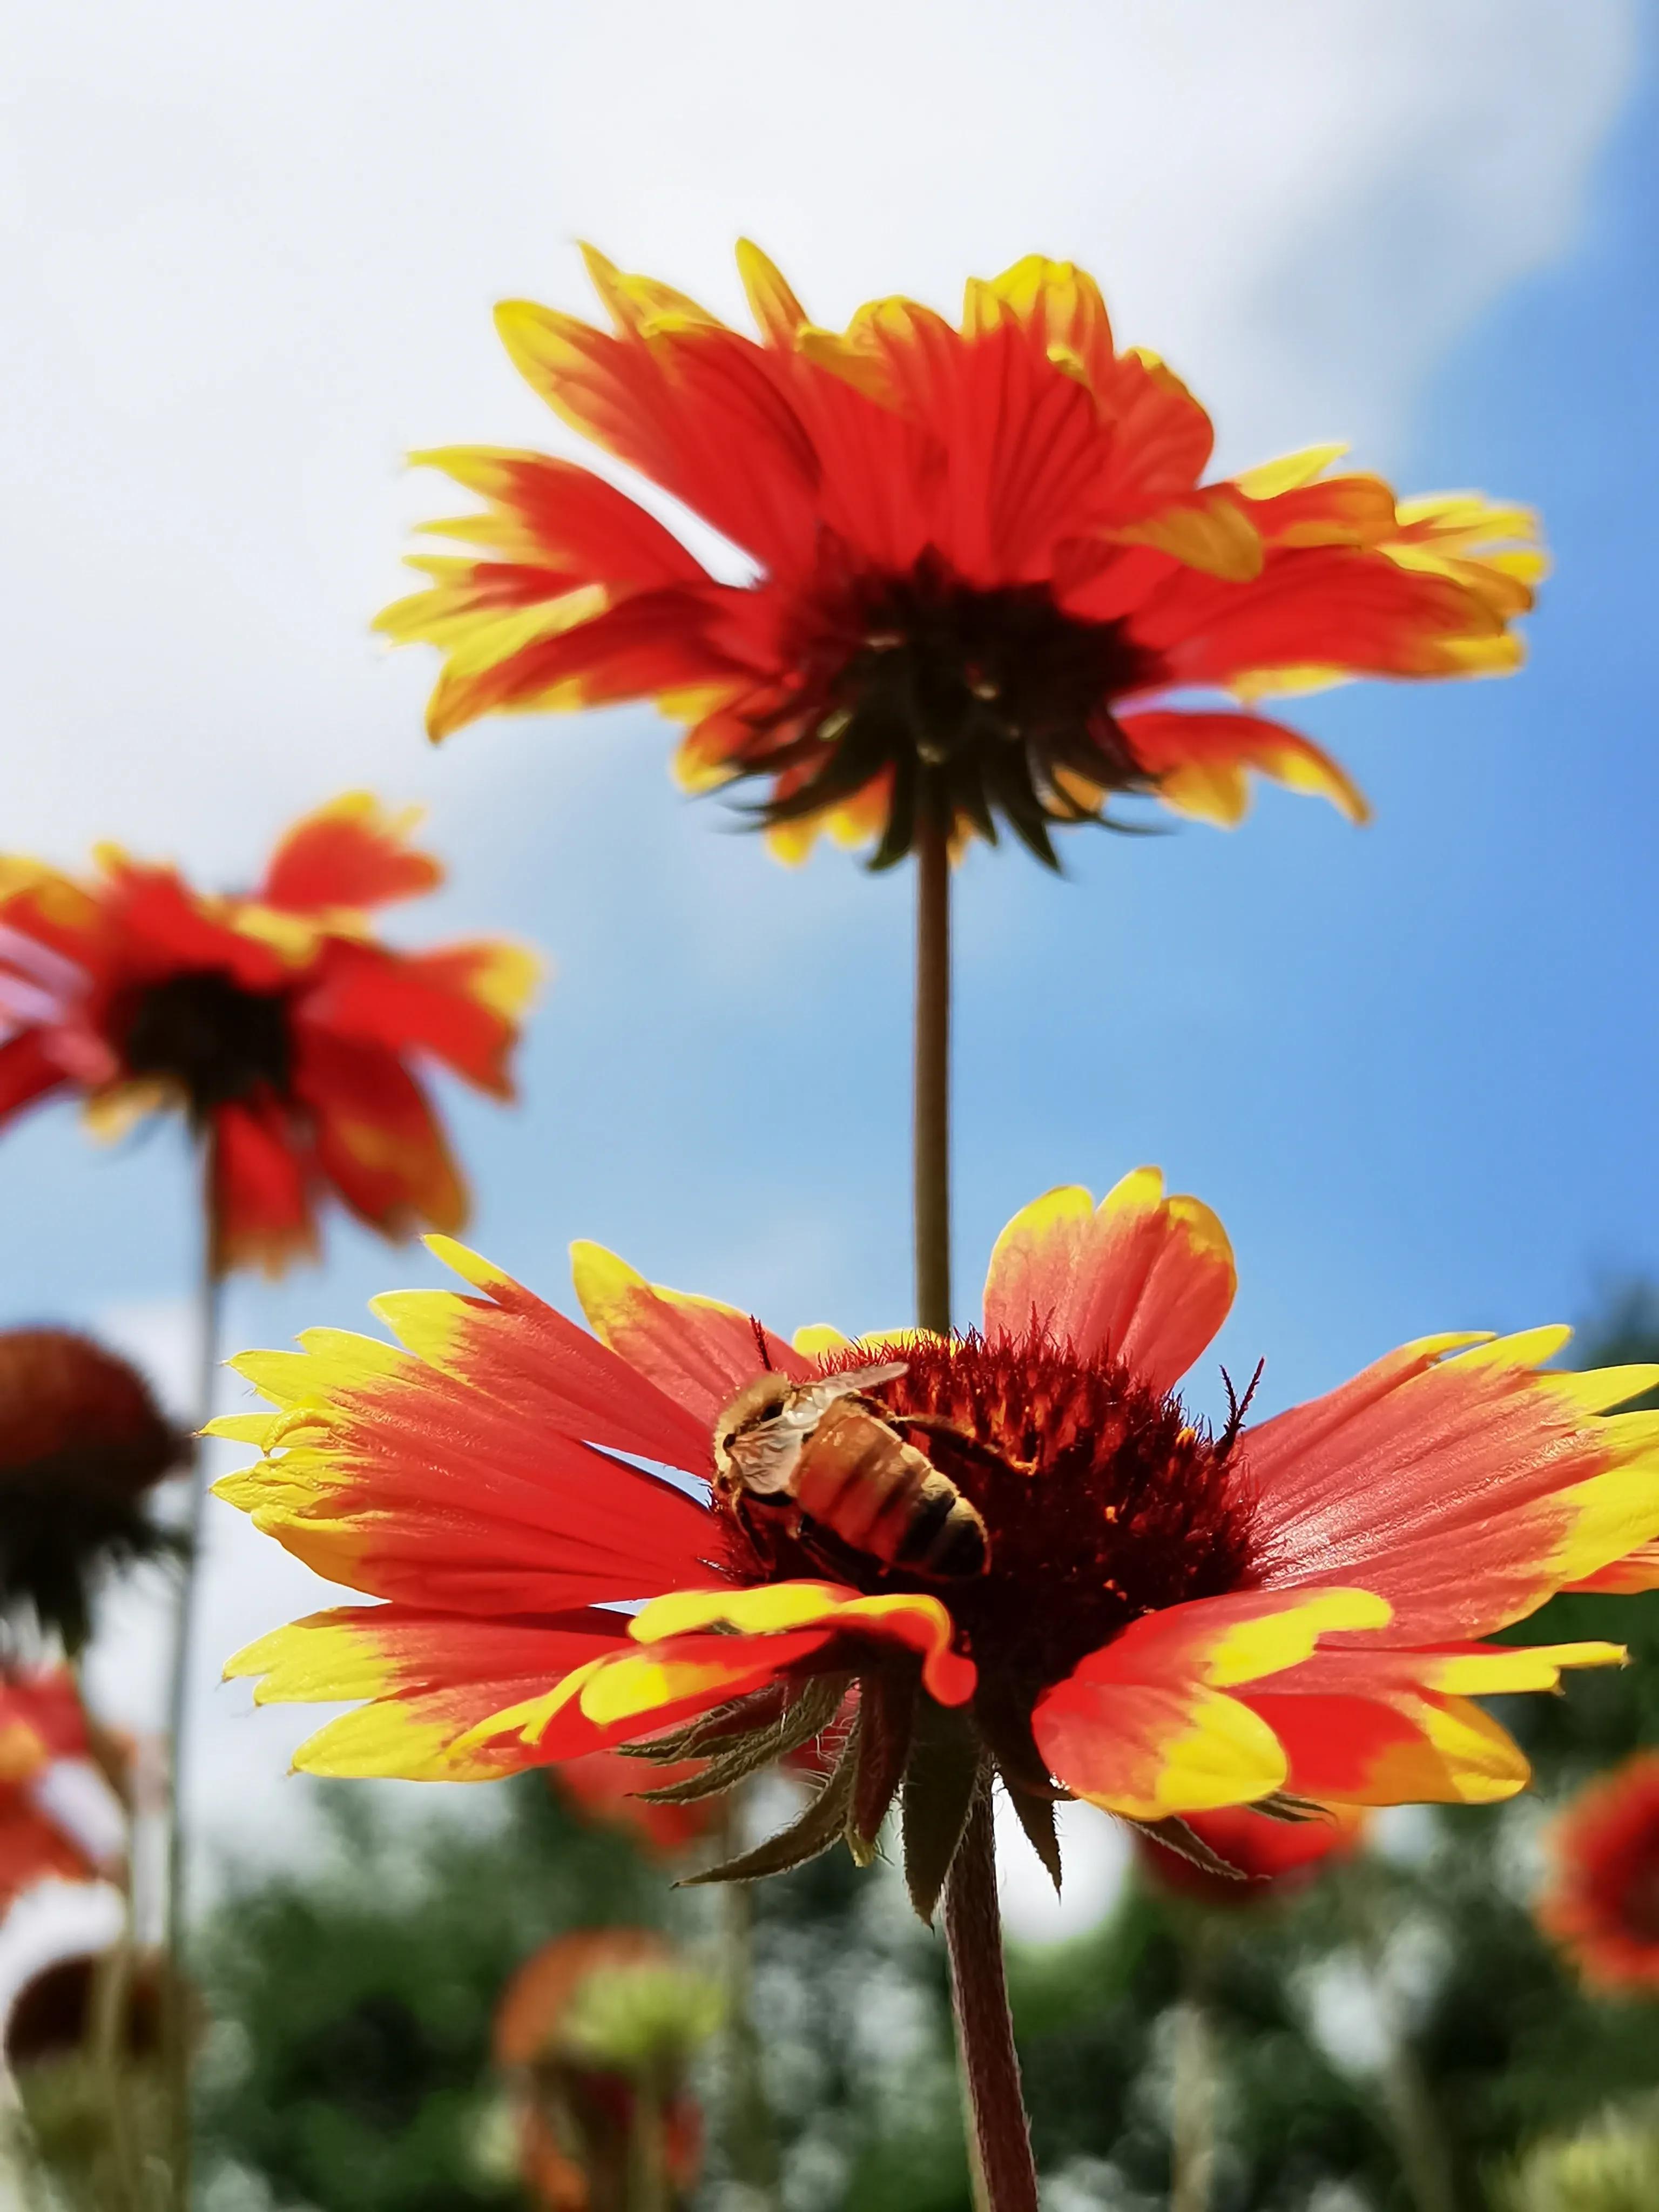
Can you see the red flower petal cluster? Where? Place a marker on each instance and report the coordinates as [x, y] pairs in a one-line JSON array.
[[1602, 1902], [1168, 1622], [277, 1022], [988, 571]]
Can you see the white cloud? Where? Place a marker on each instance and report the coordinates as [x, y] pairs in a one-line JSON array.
[[250, 258]]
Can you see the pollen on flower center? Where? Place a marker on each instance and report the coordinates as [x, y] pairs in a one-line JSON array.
[[1100, 1500], [995, 698], [219, 1041]]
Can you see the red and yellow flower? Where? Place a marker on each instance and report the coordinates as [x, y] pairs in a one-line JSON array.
[[583, 2103], [988, 571], [1170, 1621], [1602, 1901], [277, 1023]]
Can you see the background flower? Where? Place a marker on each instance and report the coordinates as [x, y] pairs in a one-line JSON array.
[[1602, 1900], [83, 1444], [983, 558], [278, 1024], [597, 2032]]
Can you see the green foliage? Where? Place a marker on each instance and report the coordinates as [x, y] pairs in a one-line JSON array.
[[350, 2066]]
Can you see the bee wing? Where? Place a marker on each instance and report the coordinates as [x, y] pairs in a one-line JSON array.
[[855, 1380], [767, 1455]]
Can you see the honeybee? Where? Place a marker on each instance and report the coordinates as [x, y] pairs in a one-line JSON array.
[[823, 1452]]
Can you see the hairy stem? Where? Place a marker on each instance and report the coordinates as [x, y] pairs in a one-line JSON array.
[[973, 1931], [932, 1068], [175, 1997]]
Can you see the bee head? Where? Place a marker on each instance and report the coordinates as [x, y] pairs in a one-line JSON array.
[[756, 1405]]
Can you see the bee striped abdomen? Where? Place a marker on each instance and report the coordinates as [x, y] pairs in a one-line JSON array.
[[883, 1497]]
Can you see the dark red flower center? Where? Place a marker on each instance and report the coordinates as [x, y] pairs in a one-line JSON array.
[[980, 702], [81, 1442], [1101, 1502], [218, 1041]]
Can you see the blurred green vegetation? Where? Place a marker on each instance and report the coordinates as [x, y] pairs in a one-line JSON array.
[[349, 2071]]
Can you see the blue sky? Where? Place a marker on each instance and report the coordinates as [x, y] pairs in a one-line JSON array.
[[1412, 1067]]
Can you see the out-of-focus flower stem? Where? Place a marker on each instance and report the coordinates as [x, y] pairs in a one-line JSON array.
[[648, 2187], [175, 2019], [1191, 2118], [1419, 2140], [112, 1997], [752, 2147]]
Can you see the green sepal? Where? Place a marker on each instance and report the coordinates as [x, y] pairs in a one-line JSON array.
[[944, 1772], [808, 1716], [1036, 1816], [1173, 1832], [887, 1709], [818, 1827]]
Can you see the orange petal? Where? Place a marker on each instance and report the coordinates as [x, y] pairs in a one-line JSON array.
[[920, 1623], [1467, 1489], [1147, 1278], [349, 853], [1636, 1571], [697, 1351], [1198, 762], [1146, 1727]]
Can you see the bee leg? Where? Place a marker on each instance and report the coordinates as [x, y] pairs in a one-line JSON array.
[[935, 1425]]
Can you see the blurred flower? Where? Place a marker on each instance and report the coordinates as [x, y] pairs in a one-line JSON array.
[[83, 1444], [606, 1788], [1165, 1620], [980, 559], [41, 1721], [51, 2015], [1245, 1859], [1602, 1901], [277, 1024], [83, 2043], [1612, 2167], [42, 1718], [598, 2030]]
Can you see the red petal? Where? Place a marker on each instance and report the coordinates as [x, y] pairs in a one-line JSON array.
[[347, 854], [1146, 1278]]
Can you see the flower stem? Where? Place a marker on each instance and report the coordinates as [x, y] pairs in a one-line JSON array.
[[973, 1931], [175, 2029], [1420, 2144], [1192, 2131], [752, 2149], [932, 1067]]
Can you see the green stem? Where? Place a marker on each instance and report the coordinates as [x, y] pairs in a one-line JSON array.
[[979, 1990], [1192, 2121], [932, 1067], [1420, 2144], [752, 2149], [648, 2151], [175, 1996]]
